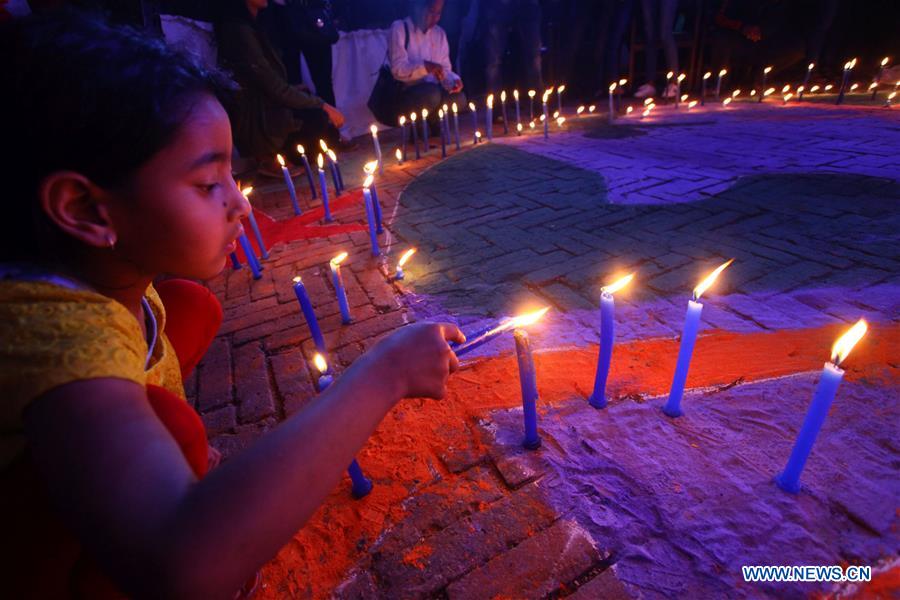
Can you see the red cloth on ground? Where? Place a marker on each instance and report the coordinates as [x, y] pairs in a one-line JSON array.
[[45, 560]]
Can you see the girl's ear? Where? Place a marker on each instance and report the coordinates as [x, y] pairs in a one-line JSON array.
[[78, 207]]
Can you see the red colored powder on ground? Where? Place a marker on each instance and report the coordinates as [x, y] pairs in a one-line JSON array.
[[405, 452]]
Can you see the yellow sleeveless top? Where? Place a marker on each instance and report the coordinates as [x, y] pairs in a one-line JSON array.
[[51, 335]]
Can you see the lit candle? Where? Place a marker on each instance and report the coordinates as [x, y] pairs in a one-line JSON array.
[[809, 70], [528, 384], [518, 113], [289, 183], [251, 257], [455, 110], [531, 94], [399, 156], [518, 129], [814, 89], [531, 125], [735, 94], [630, 109], [691, 104], [477, 137], [726, 102], [786, 98], [789, 479], [579, 110], [503, 110], [254, 226], [361, 485], [369, 169], [722, 74], [324, 187], [681, 77], [559, 92], [884, 63], [766, 72], [489, 117], [612, 111], [336, 168], [488, 334], [402, 139], [669, 76], [370, 216], [769, 92], [374, 130], [426, 146], [412, 125], [546, 119], [403, 259], [309, 314], [338, 282], [474, 121], [706, 77], [688, 338], [592, 108], [309, 177], [889, 99], [443, 139], [828, 88], [334, 175], [607, 339], [445, 121], [848, 66], [621, 93]]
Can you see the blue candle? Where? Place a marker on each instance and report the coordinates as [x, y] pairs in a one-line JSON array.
[[486, 335], [337, 169], [443, 134], [399, 154], [528, 383], [412, 125], [722, 74], [455, 123], [370, 216], [762, 91], [688, 339], [251, 257], [406, 256], [339, 287], [503, 108], [789, 478], [360, 484], [324, 186], [847, 67], [489, 117], [402, 156], [425, 133], [706, 77], [474, 121], [289, 183], [531, 94], [369, 169], [309, 177], [334, 175], [235, 263], [559, 92], [546, 116], [254, 226], [612, 93], [518, 112], [309, 314], [374, 130], [607, 340]]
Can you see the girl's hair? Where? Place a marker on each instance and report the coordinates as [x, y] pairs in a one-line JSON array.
[[81, 95]]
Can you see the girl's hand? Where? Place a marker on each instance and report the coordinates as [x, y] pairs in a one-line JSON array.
[[420, 359]]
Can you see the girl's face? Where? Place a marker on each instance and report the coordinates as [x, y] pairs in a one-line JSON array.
[[181, 212]]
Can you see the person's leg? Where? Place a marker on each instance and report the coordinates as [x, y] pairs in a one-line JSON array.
[[651, 41], [529, 27], [667, 11], [193, 317], [318, 59], [416, 97], [613, 53], [494, 47]]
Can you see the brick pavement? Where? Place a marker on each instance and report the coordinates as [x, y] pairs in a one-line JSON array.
[[805, 200]]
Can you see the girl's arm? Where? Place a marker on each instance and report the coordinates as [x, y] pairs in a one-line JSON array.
[[121, 483]]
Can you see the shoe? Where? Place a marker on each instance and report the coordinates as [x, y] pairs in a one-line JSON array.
[[645, 91], [671, 91]]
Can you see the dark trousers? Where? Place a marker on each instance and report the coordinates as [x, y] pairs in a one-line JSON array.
[[427, 95], [318, 59], [659, 21], [316, 126], [520, 18]]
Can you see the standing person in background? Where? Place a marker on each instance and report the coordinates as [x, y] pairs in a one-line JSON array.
[[523, 17], [419, 58], [659, 22]]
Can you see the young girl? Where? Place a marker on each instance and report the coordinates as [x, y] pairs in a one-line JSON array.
[[119, 170]]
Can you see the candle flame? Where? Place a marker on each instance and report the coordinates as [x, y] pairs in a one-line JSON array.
[[531, 125], [617, 285], [503, 96], [406, 256], [298, 279], [767, 70], [691, 104], [682, 77], [612, 86], [561, 89], [707, 75], [560, 121], [828, 87], [454, 108], [726, 102], [321, 161], [478, 134], [873, 85], [339, 259], [546, 95], [368, 181], [301, 150], [648, 100], [811, 66], [800, 89], [555, 114], [280, 159], [892, 95], [579, 110], [786, 89], [752, 93], [592, 108], [413, 117], [402, 120], [441, 113], [516, 94], [247, 191], [370, 167], [629, 110], [684, 97], [723, 72], [736, 93], [518, 127], [472, 106], [374, 130], [531, 93], [669, 75], [646, 112], [323, 145], [446, 108], [398, 154], [526, 319], [853, 87], [320, 363], [542, 118], [788, 97], [490, 101], [424, 113], [651, 106], [623, 81], [814, 88], [710, 279], [332, 155], [845, 343], [885, 61]]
